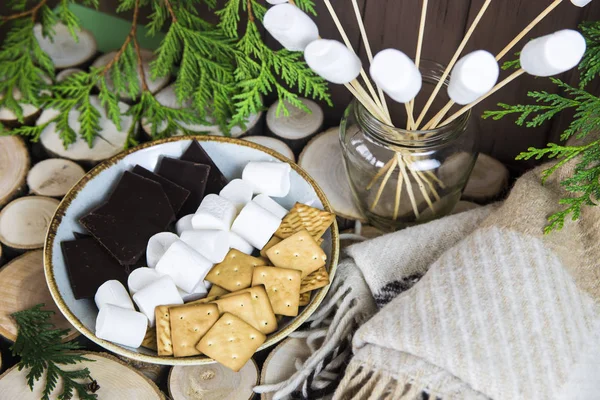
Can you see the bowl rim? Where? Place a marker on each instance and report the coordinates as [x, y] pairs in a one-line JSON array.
[[166, 360]]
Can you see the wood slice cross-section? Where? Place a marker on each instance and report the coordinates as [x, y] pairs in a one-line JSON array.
[[54, 177], [322, 158], [298, 127], [488, 180], [213, 382], [24, 222], [115, 379], [23, 285], [63, 49], [14, 165]]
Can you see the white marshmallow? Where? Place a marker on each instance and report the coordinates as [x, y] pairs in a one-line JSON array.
[[256, 225], [238, 192], [212, 244], [332, 61], [578, 3], [275, 2], [290, 26], [158, 245], [473, 76], [395, 73], [553, 54], [113, 292], [270, 178], [199, 292], [121, 325], [184, 224], [215, 212], [139, 278], [239, 243], [159, 293], [270, 205], [184, 265]]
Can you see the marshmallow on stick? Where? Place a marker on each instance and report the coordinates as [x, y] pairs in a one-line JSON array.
[[578, 3], [113, 292], [215, 212], [270, 205], [238, 192], [270, 178], [473, 76], [332, 61], [158, 293], [141, 277], [290, 26], [212, 244], [256, 225], [184, 265], [553, 54], [121, 325], [184, 224], [396, 74], [157, 247]]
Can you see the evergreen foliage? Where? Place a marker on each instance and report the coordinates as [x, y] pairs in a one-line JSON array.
[[584, 184], [41, 348], [223, 71]]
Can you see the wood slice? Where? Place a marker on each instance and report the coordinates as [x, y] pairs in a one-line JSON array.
[[30, 112], [14, 165], [168, 98], [115, 378], [64, 74], [110, 140], [323, 160], [154, 372], [24, 222], [154, 85], [488, 180], [54, 177], [213, 382], [298, 127], [63, 49], [273, 144], [23, 285]]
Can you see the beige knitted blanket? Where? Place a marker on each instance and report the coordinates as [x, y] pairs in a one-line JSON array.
[[474, 306]]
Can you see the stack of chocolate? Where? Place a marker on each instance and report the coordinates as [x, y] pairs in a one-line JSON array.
[[220, 283]]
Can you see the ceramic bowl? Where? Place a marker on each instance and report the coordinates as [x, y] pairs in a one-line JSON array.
[[230, 155]]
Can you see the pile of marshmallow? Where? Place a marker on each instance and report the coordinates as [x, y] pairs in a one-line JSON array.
[[242, 216]]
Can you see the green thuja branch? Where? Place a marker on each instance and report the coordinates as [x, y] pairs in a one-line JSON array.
[[41, 348], [584, 184]]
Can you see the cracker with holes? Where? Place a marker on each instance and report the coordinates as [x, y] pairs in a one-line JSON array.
[[316, 280], [282, 286], [299, 251], [163, 331], [189, 323], [231, 342], [240, 305], [149, 341], [216, 291], [266, 322], [303, 217], [304, 299], [235, 272], [274, 240]]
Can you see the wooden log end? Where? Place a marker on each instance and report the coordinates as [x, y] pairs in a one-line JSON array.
[[297, 128], [63, 49], [54, 177], [14, 166]]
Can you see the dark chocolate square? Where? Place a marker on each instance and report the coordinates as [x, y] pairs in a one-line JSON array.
[[89, 265], [189, 175], [177, 195], [216, 180]]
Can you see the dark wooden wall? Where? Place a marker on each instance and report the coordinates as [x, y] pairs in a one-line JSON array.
[[394, 23]]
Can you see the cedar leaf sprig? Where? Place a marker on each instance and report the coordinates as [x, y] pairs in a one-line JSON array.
[[584, 183], [41, 348]]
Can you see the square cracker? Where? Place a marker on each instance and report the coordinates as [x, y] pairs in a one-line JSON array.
[[266, 322], [235, 272], [189, 324], [314, 281], [240, 305], [304, 299], [274, 240], [216, 291], [301, 217], [231, 342], [282, 286], [299, 251], [163, 331], [149, 341]]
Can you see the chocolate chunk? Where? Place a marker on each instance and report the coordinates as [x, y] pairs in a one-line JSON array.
[[137, 209], [189, 175], [216, 180], [177, 195], [89, 265], [79, 235]]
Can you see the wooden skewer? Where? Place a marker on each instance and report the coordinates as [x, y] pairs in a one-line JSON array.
[[422, 189], [452, 62], [499, 86], [369, 105], [418, 60], [383, 183], [380, 173], [398, 194], [411, 194], [437, 118]]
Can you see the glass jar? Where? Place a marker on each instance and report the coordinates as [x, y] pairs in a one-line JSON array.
[[400, 178]]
